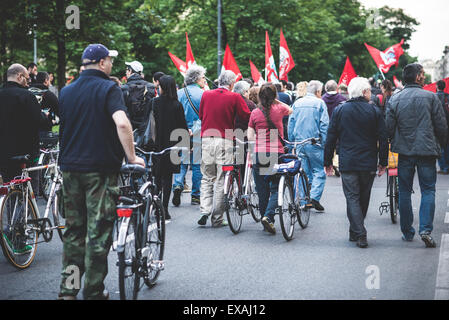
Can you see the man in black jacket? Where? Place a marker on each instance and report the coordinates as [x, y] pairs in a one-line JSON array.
[[47, 99], [20, 121], [443, 161], [138, 94], [363, 148], [416, 123]]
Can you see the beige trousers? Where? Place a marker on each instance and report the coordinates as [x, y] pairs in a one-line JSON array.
[[216, 152]]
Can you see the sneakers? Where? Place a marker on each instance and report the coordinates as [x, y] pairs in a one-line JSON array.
[[195, 201], [176, 200], [61, 297], [203, 220], [352, 238], [269, 226], [443, 172], [337, 172], [362, 242], [317, 205], [428, 240], [167, 215], [407, 239]]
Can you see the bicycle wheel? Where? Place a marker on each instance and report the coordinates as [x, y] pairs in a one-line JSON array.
[[253, 200], [57, 218], [154, 228], [18, 241], [128, 276], [287, 212], [394, 198], [232, 206], [303, 188]]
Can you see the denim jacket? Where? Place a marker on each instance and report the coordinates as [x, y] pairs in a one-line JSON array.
[[309, 119], [195, 93]]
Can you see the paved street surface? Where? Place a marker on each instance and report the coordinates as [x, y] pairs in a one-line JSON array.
[[319, 263]]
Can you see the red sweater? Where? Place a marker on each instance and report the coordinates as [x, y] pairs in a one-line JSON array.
[[218, 110]]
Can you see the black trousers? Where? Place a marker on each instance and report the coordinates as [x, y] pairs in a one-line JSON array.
[[164, 183], [357, 187]]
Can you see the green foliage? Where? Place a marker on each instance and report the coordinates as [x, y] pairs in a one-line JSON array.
[[320, 34]]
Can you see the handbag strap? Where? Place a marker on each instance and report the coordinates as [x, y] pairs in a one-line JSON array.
[[191, 103]]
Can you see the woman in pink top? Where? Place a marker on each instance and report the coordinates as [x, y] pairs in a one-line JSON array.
[[265, 126]]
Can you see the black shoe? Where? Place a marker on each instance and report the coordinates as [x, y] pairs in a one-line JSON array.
[[317, 205], [203, 220], [337, 172], [167, 215], [177, 196], [362, 242], [428, 240], [352, 238], [195, 201]]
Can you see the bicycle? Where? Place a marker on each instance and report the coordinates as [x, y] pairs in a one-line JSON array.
[[240, 195], [294, 201], [20, 221], [140, 228], [48, 150], [392, 206]]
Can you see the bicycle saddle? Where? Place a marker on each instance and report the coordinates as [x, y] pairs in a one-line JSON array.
[[133, 169]]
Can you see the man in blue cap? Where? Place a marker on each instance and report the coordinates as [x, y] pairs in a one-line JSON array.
[[95, 135]]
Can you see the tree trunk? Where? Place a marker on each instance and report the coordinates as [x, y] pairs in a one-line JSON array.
[[60, 42]]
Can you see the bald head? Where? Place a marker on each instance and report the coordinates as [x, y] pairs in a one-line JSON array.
[[18, 73]]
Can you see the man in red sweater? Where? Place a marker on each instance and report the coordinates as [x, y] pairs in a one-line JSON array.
[[218, 110]]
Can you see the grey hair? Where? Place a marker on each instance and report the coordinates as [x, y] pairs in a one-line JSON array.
[[241, 87], [357, 86], [194, 74], [331, 85], [226, 78], [14, 70], [314, 86]]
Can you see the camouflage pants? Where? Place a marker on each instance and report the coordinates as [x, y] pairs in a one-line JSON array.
[[89, 203]]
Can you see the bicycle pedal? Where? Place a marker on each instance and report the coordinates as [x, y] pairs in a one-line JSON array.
[[157, 265]]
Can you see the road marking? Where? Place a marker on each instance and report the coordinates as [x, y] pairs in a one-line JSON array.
[[446, 219], [442, 284]]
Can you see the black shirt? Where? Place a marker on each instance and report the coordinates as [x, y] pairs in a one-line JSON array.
[[89, 139]]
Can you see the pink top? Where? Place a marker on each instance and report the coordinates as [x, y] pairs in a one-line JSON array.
[[258, 122]]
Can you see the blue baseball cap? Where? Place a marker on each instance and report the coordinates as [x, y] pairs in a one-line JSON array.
[[95, 52]]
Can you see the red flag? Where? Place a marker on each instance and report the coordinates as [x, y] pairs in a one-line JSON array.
[[348, 73], [189, 54], [270, 67], [180, 65], [255, 74], [230, 64], [433, 86], [386, 59], [286, 62]]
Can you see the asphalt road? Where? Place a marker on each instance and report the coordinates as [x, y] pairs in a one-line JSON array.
[[319, 263]]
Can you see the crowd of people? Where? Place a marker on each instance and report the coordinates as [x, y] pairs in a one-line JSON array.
[[101, 119]]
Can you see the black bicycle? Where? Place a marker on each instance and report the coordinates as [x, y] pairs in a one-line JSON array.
[[392, 206], [139, 236]]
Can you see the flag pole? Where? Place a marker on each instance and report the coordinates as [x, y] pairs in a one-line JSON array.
[[383, 76]]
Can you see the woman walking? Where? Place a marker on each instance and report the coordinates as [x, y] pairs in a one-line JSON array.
[[263, 124], [168, 116]]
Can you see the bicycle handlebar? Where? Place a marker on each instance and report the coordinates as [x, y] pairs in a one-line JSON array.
[[313, 141], [163, 152]]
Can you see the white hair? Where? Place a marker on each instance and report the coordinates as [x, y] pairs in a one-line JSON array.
[[194, 74], [314, 86], [331, 85], [227, 78], [241, 87], [357, 86]]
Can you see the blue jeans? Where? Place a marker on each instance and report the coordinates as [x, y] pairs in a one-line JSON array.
[[443, 161], [194, 160], [267, 190], [426, 167], [312, 161]]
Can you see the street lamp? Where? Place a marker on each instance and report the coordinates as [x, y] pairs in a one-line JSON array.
[[219, 37]]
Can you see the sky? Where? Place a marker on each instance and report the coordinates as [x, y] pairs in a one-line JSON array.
[[426, 42]]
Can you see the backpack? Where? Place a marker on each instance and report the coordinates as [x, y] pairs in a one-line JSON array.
[[145, 136], [38, 93], [139, 101]]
